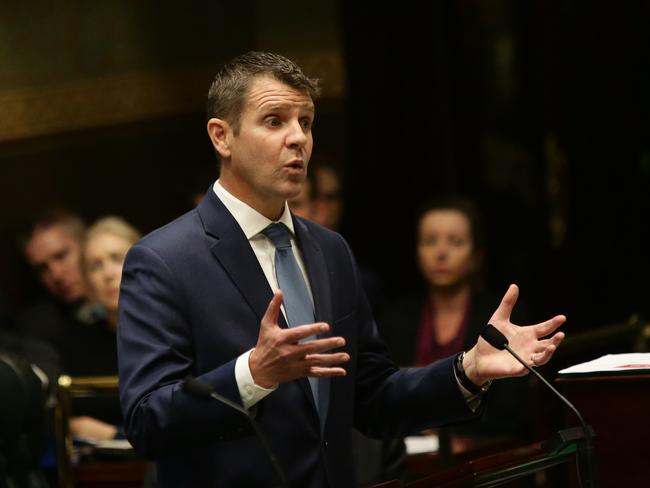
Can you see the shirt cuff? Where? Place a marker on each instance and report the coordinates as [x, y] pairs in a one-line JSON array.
[[250, 392]]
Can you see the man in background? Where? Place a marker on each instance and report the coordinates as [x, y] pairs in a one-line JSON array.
[[327, 197], [52, 248]]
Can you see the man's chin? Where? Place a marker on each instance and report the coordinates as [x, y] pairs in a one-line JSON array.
[[292, 189], [72, 297]]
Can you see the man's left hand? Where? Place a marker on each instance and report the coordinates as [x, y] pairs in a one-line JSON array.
[[532, 343]]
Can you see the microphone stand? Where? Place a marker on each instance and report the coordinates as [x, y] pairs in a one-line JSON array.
[[200, 389], [586, 466]]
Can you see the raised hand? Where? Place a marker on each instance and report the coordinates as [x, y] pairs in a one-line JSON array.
[[483, 362], [279, 356]]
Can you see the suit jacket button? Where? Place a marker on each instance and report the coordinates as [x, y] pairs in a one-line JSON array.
[[326, 444]]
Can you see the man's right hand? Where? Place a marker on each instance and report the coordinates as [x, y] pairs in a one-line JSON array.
[[279, 356]]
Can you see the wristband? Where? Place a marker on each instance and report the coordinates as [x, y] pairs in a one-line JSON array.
[[465, 382]]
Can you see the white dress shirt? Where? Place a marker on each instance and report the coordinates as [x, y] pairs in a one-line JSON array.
[[252, 224]]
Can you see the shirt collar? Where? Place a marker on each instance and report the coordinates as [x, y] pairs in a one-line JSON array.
[[250, 220]]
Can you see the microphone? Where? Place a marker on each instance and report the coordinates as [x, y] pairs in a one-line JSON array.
[[496, 339], [200, 389]]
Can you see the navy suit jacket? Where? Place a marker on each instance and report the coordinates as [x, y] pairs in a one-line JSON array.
[[192, 297]]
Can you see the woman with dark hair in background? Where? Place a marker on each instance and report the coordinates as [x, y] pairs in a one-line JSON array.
[[448, 315]]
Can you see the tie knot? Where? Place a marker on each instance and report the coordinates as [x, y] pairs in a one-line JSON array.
[[279, 235]]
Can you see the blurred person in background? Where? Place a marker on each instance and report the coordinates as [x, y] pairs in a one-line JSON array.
[[52, 248], [447, 315], [105, 247], [325, 189], [303, 204], [327, 198], [91, 350]]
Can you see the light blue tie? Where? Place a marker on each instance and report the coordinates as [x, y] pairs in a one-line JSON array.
[[297, 303]]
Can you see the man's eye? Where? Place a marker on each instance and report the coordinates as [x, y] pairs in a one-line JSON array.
[[273, 121], [61, 255], [306, 123]]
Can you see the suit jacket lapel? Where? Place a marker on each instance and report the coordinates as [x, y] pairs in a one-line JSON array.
[[234, 253], [317, 273]]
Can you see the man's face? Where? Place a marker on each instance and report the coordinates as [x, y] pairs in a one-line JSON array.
[[54, 254], [266, 161]]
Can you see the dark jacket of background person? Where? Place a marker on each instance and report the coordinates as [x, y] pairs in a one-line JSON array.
[[45, 320], [49, 321], [504, 411]]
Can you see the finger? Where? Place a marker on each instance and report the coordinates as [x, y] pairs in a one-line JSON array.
[[317, 346], [545, 328], [295, 334], [555, 340], [273, 310], [327, 359], [319, 372], [507, 304], [543, 357]]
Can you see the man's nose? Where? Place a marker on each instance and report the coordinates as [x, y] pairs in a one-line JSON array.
[[58, 271], [297, 135]]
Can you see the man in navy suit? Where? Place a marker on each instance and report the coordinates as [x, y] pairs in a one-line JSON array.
[[200, 297]]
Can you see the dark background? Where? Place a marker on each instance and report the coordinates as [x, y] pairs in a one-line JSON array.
[[536, 109]]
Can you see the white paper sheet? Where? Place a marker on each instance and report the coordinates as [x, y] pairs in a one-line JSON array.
[[418, 444], [611, 363]]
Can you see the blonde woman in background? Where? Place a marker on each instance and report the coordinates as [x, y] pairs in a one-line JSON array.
[[91, 350], [107, 242]]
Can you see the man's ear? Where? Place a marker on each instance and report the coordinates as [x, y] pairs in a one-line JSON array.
[[220, 134]]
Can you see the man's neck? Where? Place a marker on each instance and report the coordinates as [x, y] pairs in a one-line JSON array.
[[272, 209], [72, 305]]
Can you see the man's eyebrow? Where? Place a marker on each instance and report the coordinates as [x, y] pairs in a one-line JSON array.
[[287, 106]]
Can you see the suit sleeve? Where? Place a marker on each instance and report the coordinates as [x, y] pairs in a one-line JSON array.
[[155, 355]]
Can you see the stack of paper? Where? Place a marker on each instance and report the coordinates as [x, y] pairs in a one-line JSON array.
[[613, 363]]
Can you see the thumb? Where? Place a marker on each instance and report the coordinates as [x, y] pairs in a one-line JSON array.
[[507, 304], [272, 313]]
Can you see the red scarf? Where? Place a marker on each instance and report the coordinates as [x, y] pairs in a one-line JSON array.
[[427, 349]]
